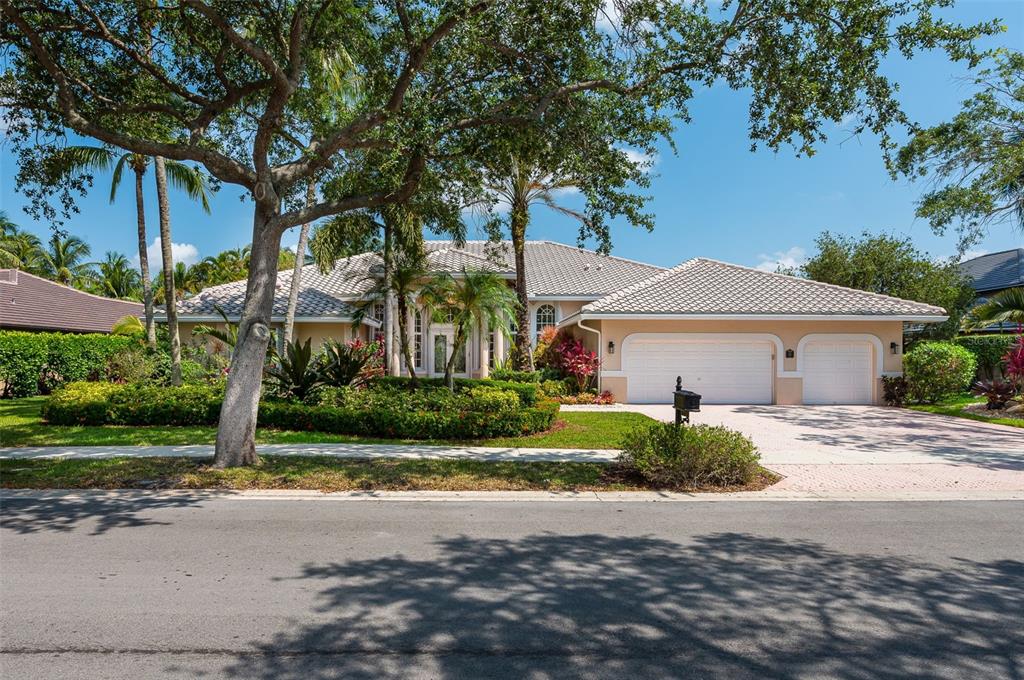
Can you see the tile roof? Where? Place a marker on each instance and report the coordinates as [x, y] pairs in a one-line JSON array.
[[552, 269], [995, 271], [702, 286], [28, 302], [556, 269]]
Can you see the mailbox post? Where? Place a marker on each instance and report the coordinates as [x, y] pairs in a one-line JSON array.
[[684, 401]]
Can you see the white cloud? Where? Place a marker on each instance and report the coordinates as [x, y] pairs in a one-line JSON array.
[[180, 252], [646, 161], [608, 17], [792, 258], [972, 253]]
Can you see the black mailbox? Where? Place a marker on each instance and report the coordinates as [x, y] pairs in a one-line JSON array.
[[684, 401]]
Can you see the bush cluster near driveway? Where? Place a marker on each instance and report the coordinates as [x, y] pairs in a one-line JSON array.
[[937, 370], [31, 362], [988, 351], [473, 412], [696, 456]]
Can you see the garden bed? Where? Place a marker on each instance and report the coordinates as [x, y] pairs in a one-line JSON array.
[[322, 473], [972, 408]]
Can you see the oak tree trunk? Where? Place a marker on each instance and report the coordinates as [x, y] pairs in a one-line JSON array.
[[300, 261], [168, 266], [523, 354], [236, 433], [147, 283]]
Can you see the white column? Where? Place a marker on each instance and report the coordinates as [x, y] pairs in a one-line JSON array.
[[485, 370], [499, 348]]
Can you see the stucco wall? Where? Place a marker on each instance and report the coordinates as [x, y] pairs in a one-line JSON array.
[[788, 390]]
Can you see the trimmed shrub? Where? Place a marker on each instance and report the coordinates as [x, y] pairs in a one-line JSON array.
[[894, 389], [690, 457], [988, 351], [527, 391], [35, 362], [509, 375], [935, 370], [474, 413]]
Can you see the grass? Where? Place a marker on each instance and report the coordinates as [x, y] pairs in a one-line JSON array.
[[955, 407], [324, 473], [21, 425]]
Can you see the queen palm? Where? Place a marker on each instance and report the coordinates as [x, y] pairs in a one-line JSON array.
[[19, 249], [117, 278], [64, 260], [473, 298], [1004, 307], [522, 185], [86, 159]]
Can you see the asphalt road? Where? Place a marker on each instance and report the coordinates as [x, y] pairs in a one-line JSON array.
[[191, 588]]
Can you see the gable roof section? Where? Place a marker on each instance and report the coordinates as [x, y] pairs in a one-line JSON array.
[[29, 302], [995, 271], [559, 270], [703, 287], [320, 295]]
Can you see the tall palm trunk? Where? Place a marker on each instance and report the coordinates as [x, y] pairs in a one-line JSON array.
[[457, 346], [236, 434], [523, 352], [300, 261], [168, 265], [147, 283], [390, 364], [403, 337]]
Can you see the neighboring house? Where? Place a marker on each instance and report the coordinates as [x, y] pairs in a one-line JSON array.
[[993, 273], [31, 303], [735, 335]]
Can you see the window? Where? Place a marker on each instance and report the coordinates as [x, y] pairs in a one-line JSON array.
[[417, 340], [545, 318], [378, 313]]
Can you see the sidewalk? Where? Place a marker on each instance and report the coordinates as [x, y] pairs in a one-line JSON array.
[[401, 451]]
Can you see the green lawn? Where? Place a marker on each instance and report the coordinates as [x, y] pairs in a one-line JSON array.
[[955, 407], [324, 473], [20, 425]]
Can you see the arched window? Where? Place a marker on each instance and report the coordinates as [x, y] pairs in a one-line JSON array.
[[545, 318]]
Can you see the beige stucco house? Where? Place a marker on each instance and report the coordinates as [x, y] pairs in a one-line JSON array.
[[735, 335]]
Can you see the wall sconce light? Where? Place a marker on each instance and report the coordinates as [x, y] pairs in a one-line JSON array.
[[611, 347], [894, 347], [790, 354]]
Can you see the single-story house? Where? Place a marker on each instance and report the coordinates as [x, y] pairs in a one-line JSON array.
[[736, 335], [32, 303]]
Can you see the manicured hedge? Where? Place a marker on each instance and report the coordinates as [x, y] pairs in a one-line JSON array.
[[936, 370], [515, 376], [989, 350], [29, 361], [474, 413], [527, 391]]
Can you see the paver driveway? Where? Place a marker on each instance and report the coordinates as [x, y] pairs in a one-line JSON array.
[[869, 448]]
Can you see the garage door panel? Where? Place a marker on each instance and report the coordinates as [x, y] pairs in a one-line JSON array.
[[838, 372], [729, 372]]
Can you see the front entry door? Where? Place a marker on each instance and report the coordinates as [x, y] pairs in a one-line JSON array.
[[444, 340]]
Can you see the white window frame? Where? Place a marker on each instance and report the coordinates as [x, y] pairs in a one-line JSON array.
[[535, 318]]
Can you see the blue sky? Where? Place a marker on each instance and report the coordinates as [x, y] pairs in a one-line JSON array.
[[714, 198]]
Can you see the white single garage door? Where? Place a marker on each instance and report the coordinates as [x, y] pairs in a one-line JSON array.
[[721, 371], [837, 372]]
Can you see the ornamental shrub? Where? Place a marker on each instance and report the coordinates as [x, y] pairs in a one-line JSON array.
[[936, 370], [528, 392], [510, 375], [31, 363], [690, 457], [988, 351]]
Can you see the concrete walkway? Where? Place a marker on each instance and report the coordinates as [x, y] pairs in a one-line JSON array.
[[402, 451]]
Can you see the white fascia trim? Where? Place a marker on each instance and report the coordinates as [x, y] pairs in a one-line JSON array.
[[567, 298], [201, 318], [772, 317]]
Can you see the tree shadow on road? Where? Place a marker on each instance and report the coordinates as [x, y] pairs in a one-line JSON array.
[[63, 513], [726, 605]]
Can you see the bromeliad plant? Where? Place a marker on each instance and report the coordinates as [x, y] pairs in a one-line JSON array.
[[1014, 364], [296, 373], [577, 361], [998, 393], [351, 363]]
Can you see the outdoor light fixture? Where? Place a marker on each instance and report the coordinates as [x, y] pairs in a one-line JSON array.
[[790, 354], [611, 347], [894, 348]]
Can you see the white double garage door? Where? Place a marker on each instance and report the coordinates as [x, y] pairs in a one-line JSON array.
[[741, 371]]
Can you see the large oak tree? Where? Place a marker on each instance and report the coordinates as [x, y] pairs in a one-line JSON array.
[[251, 90]]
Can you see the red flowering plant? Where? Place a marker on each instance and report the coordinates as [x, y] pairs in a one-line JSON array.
[[1014, 364], [577, 361]]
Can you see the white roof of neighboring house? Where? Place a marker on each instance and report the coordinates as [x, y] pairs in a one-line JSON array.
[[703, 287]]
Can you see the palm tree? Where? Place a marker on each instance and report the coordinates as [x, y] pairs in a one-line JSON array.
[[300, 262], [117, 278], [1006, 306], [87, 159], [63, 260], [522, 186], [19, 249], [475, 297]]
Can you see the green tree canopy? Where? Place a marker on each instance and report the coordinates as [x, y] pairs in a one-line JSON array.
[[892, 266], [976, 161]]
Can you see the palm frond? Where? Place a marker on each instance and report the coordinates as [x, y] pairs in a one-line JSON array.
[[115, 181], [1004, 307], [190, 180]]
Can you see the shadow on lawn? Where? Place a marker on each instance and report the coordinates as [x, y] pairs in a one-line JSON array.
[[27, 514], [727, 605]]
